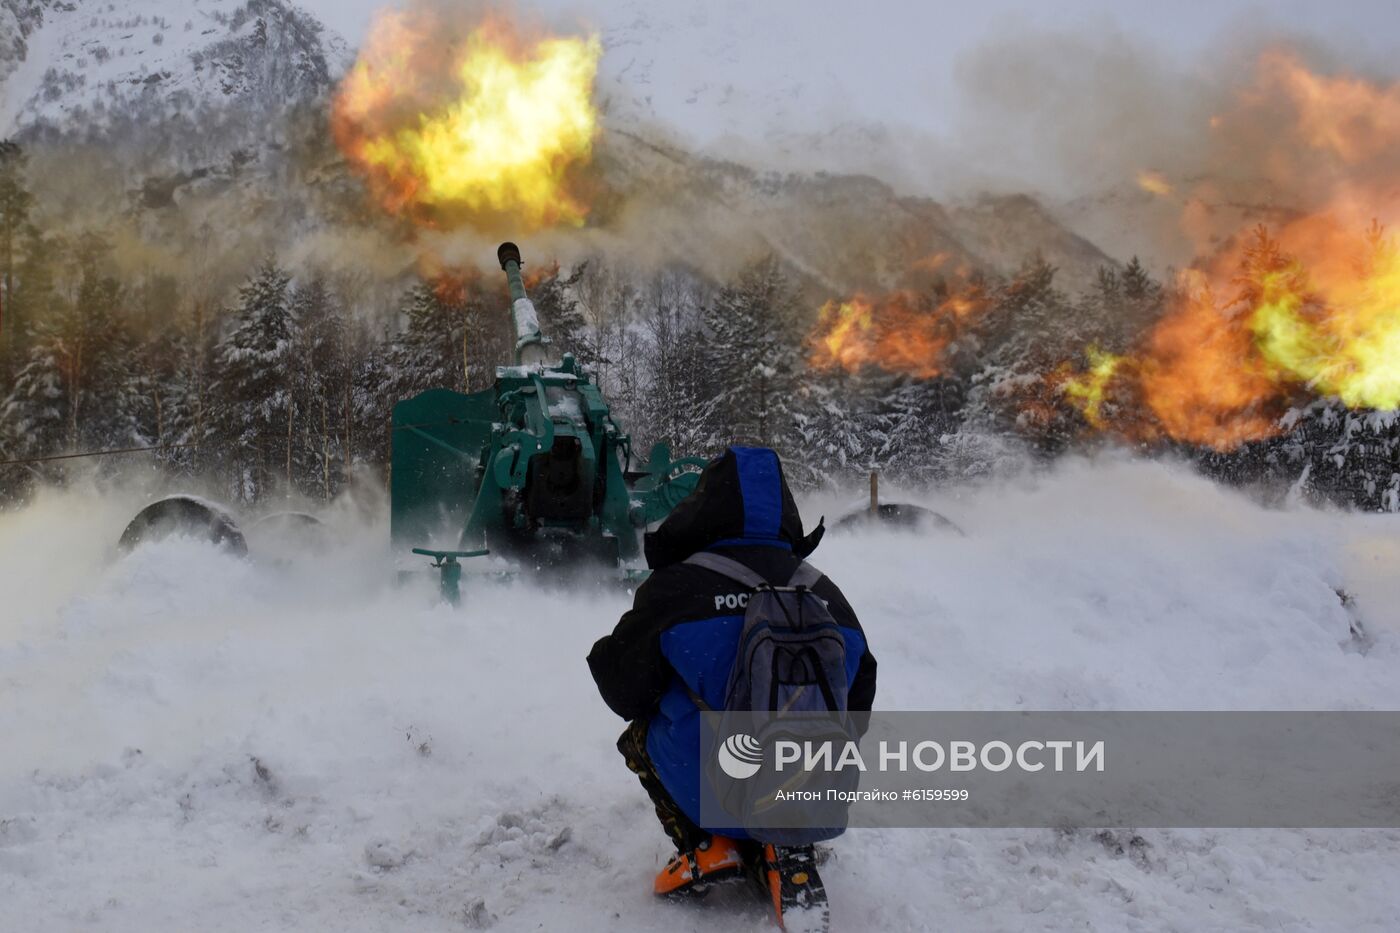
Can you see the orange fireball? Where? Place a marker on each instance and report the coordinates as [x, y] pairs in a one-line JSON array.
[[490, 131], [900, 332]]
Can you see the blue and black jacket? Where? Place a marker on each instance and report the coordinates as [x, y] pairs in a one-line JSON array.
[[683, 629]]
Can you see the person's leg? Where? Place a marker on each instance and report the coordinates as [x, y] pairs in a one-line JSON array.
[[682, 830]]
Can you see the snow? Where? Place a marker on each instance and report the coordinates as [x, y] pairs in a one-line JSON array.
[[567, 406], [70, 40], [195, 741], [527, 320], [93, 58]]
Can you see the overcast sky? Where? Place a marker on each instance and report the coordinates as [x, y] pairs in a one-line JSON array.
[[892, 36], [1180, 21]]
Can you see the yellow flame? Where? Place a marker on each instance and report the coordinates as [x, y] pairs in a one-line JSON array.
[[1373, 338], [1349, 345], [1154, 183], [1089, 389], [495, 138], [846, 319]]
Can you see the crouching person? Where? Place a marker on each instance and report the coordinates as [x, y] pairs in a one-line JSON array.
[[674, 653]]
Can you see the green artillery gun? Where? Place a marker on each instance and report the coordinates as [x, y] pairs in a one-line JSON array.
[[534, 468]]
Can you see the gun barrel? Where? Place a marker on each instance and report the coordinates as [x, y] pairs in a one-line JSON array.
[[529, 342]]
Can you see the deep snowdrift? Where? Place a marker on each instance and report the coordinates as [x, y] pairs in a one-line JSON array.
[[192, 741]]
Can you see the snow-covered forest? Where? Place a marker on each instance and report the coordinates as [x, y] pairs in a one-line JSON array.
[[285, 384]]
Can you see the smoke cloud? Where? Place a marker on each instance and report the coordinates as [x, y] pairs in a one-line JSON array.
[[1168, 159]]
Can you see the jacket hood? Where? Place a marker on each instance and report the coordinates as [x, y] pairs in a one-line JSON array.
[[742, 500]]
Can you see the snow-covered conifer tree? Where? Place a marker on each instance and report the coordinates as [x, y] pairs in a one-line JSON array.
[[753, 349], [254, 417]]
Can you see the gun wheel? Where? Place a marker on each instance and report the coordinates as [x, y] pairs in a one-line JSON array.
[[183, 515]]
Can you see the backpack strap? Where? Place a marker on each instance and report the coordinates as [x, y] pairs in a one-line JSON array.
[[805, 576], [727, 567]]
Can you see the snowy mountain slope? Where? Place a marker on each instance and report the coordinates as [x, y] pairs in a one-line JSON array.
[[195, 741], [18, 18], [84, 61], [843, 232], [1005, 230]]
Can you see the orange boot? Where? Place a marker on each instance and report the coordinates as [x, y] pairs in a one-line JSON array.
[[716, 859]]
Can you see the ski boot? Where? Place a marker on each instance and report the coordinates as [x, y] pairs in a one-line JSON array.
[[691, 873], [788, 880]]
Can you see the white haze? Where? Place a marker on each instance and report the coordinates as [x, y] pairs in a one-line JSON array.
[[196, 741]]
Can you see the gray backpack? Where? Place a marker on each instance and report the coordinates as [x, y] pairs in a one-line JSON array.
[[791, 660], [792, 656]]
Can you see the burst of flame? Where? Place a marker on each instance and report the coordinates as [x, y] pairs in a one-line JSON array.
[[846, 325], [1154, 183], [1335, 323], [1088, 390], [1317, 311], [1200, 377], [1308, 308], [487, 131], [899, 332], [933, 262]]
